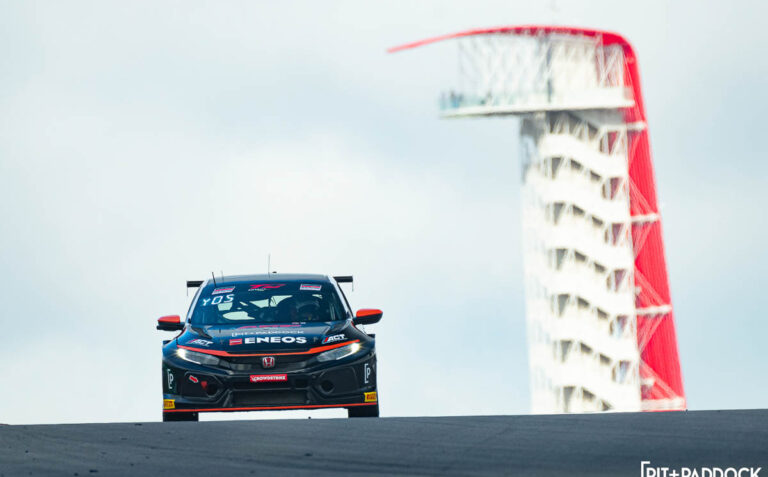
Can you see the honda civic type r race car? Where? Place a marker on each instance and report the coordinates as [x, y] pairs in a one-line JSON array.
[[269, 342]]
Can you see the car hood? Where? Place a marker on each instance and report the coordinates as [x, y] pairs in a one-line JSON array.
[[259, 338]]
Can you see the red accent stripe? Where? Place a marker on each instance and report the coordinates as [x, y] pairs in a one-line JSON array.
[[310, 351], [278, 408], [608, 36]]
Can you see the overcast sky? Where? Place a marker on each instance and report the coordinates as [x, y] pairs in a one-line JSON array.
[[146, 143]]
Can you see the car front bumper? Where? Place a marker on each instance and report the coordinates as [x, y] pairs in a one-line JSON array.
[[193, 388]]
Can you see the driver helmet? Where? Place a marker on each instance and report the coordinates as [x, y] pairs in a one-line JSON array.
[[308, 308]]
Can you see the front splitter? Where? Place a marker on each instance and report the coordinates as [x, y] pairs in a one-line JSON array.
[[271, 408]]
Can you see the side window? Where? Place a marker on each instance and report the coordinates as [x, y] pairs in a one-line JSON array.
[[347, 309], [194, 301]]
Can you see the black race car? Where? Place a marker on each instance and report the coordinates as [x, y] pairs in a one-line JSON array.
[[269, 342]]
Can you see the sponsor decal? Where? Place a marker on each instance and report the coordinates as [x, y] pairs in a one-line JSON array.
[[237, 341], [367, 373], [290, 325], [217, 300], [370, 397], [169, 404], [310, 287], [193, 379], [169, 379], [268, 378], [333, 339], [200, 342], [222, 290], [281, 339], [268, 362], [267, 332], [265, 286], [271, 340]]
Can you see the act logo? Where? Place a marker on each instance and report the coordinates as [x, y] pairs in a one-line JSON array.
[[200, 342], [332, 339]]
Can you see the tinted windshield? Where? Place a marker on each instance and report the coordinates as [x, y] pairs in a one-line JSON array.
[[247, 303]]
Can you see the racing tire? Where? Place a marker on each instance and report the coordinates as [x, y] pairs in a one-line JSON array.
[[180, 416], [363, 411]]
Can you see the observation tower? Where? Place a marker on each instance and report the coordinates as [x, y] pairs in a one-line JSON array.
[[600, 324]]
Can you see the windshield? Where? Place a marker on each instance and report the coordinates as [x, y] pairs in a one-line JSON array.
[[248, 303]]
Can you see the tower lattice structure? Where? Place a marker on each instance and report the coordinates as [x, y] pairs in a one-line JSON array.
[[600, 324]]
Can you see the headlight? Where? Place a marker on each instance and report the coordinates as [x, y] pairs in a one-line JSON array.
[[339, 353], [199, 358]]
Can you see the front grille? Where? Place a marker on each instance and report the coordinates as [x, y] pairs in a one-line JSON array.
[[269, 398], [288, 358], [292, 383], [282, 363], [246, 386]]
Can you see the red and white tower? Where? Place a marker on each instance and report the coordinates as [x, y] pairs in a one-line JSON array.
[[600, 325]]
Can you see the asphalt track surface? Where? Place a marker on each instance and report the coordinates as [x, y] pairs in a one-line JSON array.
[[565, 445]]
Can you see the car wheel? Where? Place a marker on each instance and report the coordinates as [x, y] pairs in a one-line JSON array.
[[179, 416], [363, 411]]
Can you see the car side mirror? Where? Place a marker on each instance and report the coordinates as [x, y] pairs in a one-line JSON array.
[[170, 323], [367, 316]]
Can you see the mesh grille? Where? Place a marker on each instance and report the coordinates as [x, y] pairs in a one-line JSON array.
[[282, 363], [268, 398]]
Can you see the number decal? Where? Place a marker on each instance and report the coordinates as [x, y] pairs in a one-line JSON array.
[[219, 299]]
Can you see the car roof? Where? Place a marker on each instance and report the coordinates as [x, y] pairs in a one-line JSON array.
[[269, 278]]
